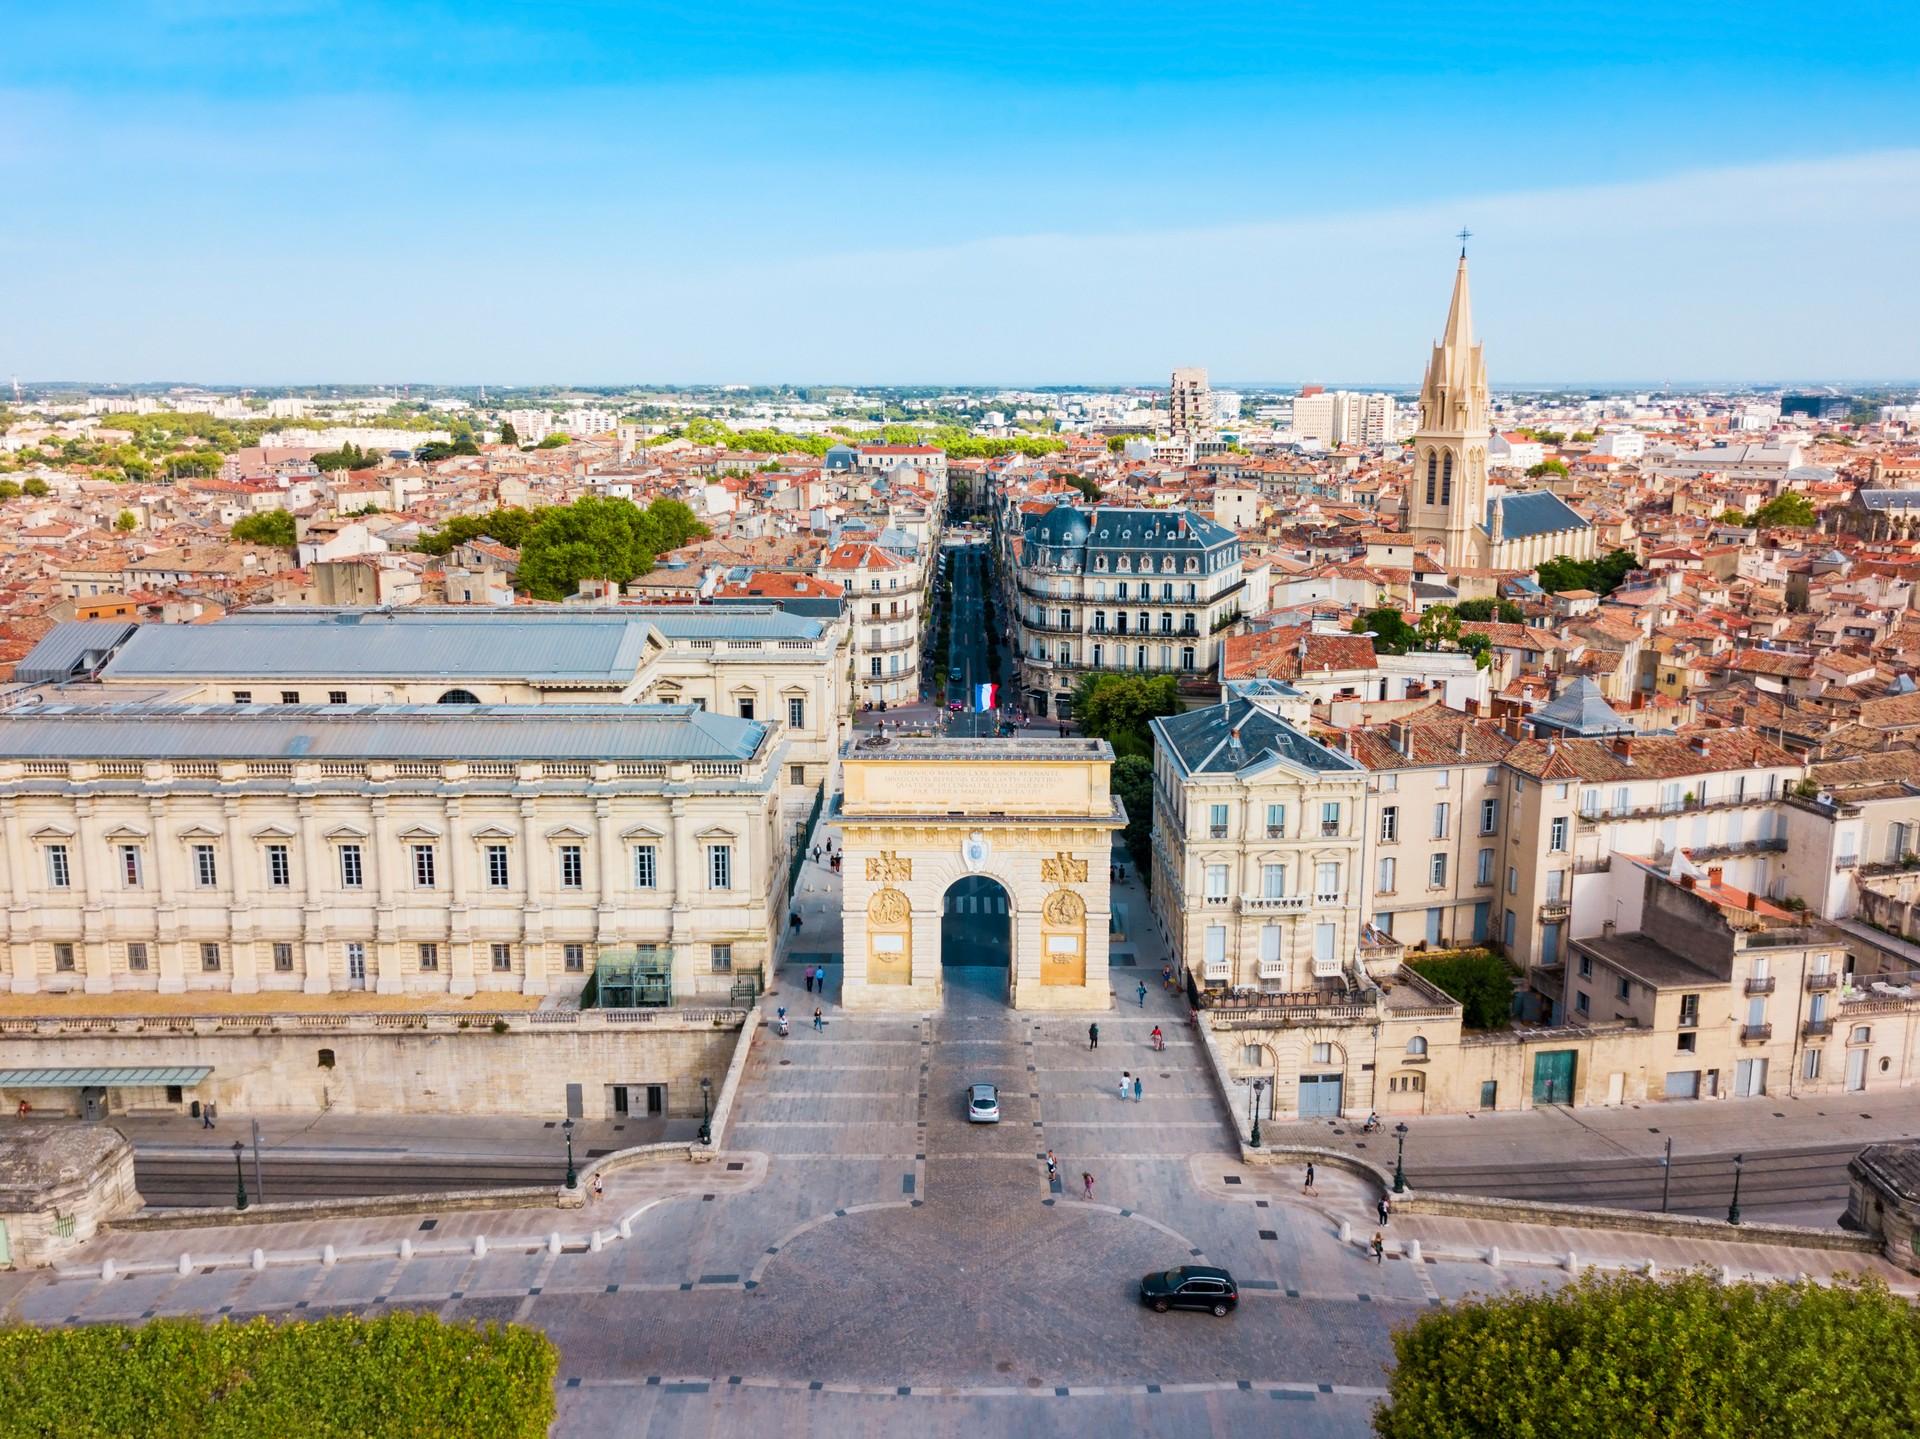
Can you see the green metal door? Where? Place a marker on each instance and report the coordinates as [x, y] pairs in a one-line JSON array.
[[1553, 1076]]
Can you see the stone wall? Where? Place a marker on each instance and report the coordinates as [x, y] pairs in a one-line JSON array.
[[59, 1183]]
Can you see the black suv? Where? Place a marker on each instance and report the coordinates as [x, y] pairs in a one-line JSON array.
[[1191, 1286]]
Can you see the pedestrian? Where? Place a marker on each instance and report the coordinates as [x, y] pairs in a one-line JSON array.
[[794, 916], [1384, 1211], [1093, 1036], [1159, 1040], [1136, 1089], [1087, 1180], [819, 1022], [1379, 1247], [599, 1187], [1053, 1167], [1308, 1188], [807, 974], [206, 1117], [1063, 729], [1126, 1083], [1143, 994]]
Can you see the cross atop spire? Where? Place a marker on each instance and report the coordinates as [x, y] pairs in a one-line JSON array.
[[1465, 235]]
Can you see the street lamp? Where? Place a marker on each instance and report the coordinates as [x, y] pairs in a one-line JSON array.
[[573, 1177], [239, 1176], [1400, 1158], [706, 1115], [1733, 1209], [1255, 1090]]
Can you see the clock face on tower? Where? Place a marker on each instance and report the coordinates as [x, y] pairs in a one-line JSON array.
[[973, 850]]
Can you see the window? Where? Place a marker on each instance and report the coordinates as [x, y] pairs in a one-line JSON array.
[[206, 873], [1385, 876], [796, 774], [429, 956], [1330, 818], [1186, 657], [1513, 880], [722, 958], [336, 697], [720, 866], [502, 958], [1489, 815], [1862, 1034], [1812, 1065], [796, 713], [1581, 1004], [1276, 821], [1323, 1054], [1216, 881], [1216, 951], [1586, 967], [423, 875], [1483, 873], [350, 872], [1625, 990], [746, 709], [1689, 1010], [279, 867], [1270, 941], [243, 697], [1390, 824], [282, 957], [874, 667], [137, 955], [1689, 1042], [1217, 821], [326, 1059], [1273, 881], [289, 697], [210, 957], [1326, 883], [1437, 872], [643, 866], [59, 868], [1446, 479], [1324, 936], [573, 957], [130, 865], [572, 867], [1416, 1046], [1557, 835], [1441, 814], [63, 958]]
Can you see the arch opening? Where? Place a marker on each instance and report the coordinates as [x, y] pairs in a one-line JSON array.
[[976, 937]]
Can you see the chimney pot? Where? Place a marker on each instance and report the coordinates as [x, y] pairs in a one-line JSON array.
[[1713, 875], [1687, 881]]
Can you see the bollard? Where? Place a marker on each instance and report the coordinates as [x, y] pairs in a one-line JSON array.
[[1346, 1231], [327, 1257], [259, 1260], [594, 1242], [1493, 1256], [406, 1249], [553, 1242], [1726, 1274], [1572, 1262], [479, 1246], [1413, 1250], [186, 1264], [106, 1271], [626, 1229]]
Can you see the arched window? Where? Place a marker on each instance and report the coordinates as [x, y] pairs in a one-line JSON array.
[[1861, 1035], [1416, 1045], [1433, 470], [1446, 480], [459, 697]]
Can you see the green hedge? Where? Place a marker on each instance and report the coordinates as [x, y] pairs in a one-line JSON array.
[[1482, 983], [401, 1375], [1623, 1358]]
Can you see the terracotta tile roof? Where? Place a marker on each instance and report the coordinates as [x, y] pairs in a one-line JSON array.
[[1594, 761], [1277, 652]]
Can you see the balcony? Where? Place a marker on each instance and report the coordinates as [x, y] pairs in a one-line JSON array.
[[1052, 627], [1817, 1028], [1553, 911], [1273, 903], [1760, 984], [878, 646], [1329, 829], [1216, 901], [1818, 983], [1216, 831], [1327, 899], [1276, 831], [1755, 1033]]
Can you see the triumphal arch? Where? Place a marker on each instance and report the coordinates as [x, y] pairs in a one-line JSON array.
[[1020, 828]]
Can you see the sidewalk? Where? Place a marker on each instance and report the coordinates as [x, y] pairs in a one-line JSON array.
[[400, 1138]]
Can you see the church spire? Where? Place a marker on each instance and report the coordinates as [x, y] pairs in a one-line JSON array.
[[1454, 396]]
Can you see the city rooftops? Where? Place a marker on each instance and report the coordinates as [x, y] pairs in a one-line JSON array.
[[373, 732], [1237, 736]]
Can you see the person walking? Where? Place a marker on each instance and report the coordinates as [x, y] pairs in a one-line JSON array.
[[206, 1117], [1379, 1247], [1087, 1180], [1159, 1039], [1053, 1167], [1308, 1187], [599, 1187], [1136, 1089], [1093, 1036], [1385, 1210], [819, 1023], [1126, 1083], [807, 975], [1143, 994]]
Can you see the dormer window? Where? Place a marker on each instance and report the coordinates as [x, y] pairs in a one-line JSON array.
[[1099, 562]]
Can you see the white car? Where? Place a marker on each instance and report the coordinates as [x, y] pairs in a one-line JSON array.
[[983, 1104]]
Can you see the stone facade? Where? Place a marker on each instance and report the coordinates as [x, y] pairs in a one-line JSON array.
[[58, 1183], [1036, 816]]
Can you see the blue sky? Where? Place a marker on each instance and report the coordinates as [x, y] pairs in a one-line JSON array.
[[286, 190]]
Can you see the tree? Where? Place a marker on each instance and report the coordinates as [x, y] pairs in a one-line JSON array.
[[1624, 1357], [1117, 443], [275, 527], [1116, 707], [508, 434], [1439, 627], [1788, 510], [1603, 576], [348, 457], [34, 486], [436, 450], [9, 489], [1133, 782], [1480, 981], [1392, 635], [1505, 611], [554, 441], [603, 539], [1731, 516], [509, 525], [1547, 467], [1085, 486], [126, 522]]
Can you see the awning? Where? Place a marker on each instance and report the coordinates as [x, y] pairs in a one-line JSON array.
[[130, 1077]]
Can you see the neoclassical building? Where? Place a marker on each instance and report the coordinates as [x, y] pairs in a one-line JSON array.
[[1447, 492], [394, 848]]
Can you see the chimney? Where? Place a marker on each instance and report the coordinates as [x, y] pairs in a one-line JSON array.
[[1713, 875], [1397, 736], [1687, 881], [1753, 900], [1623, 746], [1607, 928], [1473, 707], [1700, 746]]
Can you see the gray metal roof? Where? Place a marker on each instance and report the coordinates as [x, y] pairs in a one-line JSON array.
[[1238, 735], [107, 1076], [71, 648], [1579, 709], [557, 646], [360, 732], [1538, 512], [1156, 529]]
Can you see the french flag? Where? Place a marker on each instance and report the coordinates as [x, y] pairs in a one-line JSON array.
[[983, 697]]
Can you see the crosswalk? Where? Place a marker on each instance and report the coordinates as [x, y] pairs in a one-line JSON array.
[[976, 904]]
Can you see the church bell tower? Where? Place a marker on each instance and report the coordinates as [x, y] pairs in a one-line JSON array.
[[1447, 494]]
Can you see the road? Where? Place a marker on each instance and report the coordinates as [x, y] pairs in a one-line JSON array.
[[172, 1178], [967, 655]]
